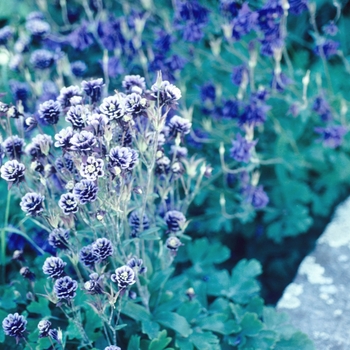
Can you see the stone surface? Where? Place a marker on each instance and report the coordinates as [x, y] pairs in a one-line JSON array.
[[318, 300]]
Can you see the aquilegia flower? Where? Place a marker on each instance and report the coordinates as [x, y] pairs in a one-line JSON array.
[[13, 171], [54, 267], [175, 220], [14, 325], [241, 149], [85, 191], [92, 168], [88, 255], [58, 238], [32, 203], [124, 276], [135, 223], [50, 111], [68, 204], [65, 288], [102, 248]]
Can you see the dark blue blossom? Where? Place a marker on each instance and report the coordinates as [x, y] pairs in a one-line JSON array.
[[241, 149], [208, 92], [254, 113], [65, 288], [112, 107], [124, 276], [42, 59], [93, 286], [78, 68], [13, 146], [135, 105], [13, 171], [110, 34], [77, 116], [38, 28], [103, 248], [32, 203], [134, 83], [14, 325], [230, 109], [163, 41], [244, 22], [191, 11], [330, 29], [173, 244], [83, 142], [26, 273], [39, 147], [68, 204], [81, 38], [49, 92], [178, 152], [328, 47], [193, 32], [58, 238], [238, 73], [54, 267], [175, 62], [50, 112], [322, 108], [135, 223], [92, 168], [332, 136], [44, 327], [15, 62], [88, 256], [229, 8], [296, 7], [63, 137], [20, 91], [66, 94], [175, 220], [114, 67], [64, 164], [280, 82], [97, 123], [124, 158], [178, 125], [112, 347], [93, 89], [6, 33], [85, 191], [256, 196], [165, 93]]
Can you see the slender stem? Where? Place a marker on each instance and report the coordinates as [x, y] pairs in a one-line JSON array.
[[3, 237]]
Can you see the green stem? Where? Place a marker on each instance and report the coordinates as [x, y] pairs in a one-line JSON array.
[[3, 236]]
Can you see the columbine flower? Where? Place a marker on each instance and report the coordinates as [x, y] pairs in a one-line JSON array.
[[65, 288], [241, 149], [296, 7], [134, 83], [85, 191], [32, 203], [58, 238], [102, 248], [97, 123], [77, 116], [135, 104], [124, 276], [244, 22], [137, 264], [40, 146], [88, 256], [83, 142], [13, 171], [165, 93], [6, 33], [173, 244], [124, 158], [330, 28], [256, 196], [178, 125], [68, 204], [38, 27], [54, 267], [332, 136], [178, 152], [26, 273], [93, 286], [134, 222], [322, 108], [14, 325], [78, 68], [112, 106], [63, 137], [254, 113], [328, 47], [175, 220], [66, 94], [93, 89], [238, 74], [50, 111], [44, 327], [13, 146], [113, 347], [92, 168], [64, 164], [42, 59]]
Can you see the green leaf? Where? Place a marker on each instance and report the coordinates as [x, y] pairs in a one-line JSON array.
[[299, 341], [41, 307], [219, 284], [73, 332], [93, 322], [161, 342], [159, 279], [43, 343], [2, 335], [243, 284], [150, 328], [219, 323], [7, 301], [174, 321], [205, 340], [251, 325], [135, 311], [190, 310], [134, 343], [184, 343]]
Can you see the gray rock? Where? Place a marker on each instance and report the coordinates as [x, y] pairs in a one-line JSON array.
[[318, 300]]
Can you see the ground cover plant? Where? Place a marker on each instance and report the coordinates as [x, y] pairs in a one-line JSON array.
[[137, 139]]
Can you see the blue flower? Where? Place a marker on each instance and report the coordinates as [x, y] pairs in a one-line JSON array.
[[93, 89], [14, 325], [88, 255], [13, 146], [256, 196], [68, 204], [322, 108], [6, 33], [124, 276], [83, 142], [85, 191], [296, 7], [241, 149], [230, 109], [102, 248], [13, 171], [42, 59], [135, 223], [328, 47], [65, 288], [112, 107], [244, 22], [178, 125], [78, 68], [134, 83], [38, 28], [32, 203], [81, 38], [332, 136], [254, 113], [175, 220], [66, 94], [110, 34], [124, 158], [58, 238], [237, 74], [208, 92], [330, 28], [50, 112], [54, 267]]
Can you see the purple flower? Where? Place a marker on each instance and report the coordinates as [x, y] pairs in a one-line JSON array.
[[13, 146], [175, 220], [112, 107], [163, 41], [254, 113], [229, 8], [322, 108], [330, 28], [192, 32], [173, 244], [66, 94], [93, 89], [93, 286], [165, 93], [85, 191], [68, 204], [83, 142], [230, 109], [78, 68], [40, 146], [32, 203], [256, 196], [50, 111], [14, 325], [65, 288], [135, 105], [102, 248], [63, 138], [20, 91], [124, 276], [92, 168], [241, 149], [81, 38], [6, 33], [124, 158], [77, 115], [208, 92], [280, 82], [114, 67], [13, 171], [110, 34], [244, 22], [178, 125], [328, 47], [38, 28], [42, 59], [238, 73], [134, 83], [54, 267], [332, 136], [88, 256], [296, 7], [135, 223], [58, 238], [191, 11]]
